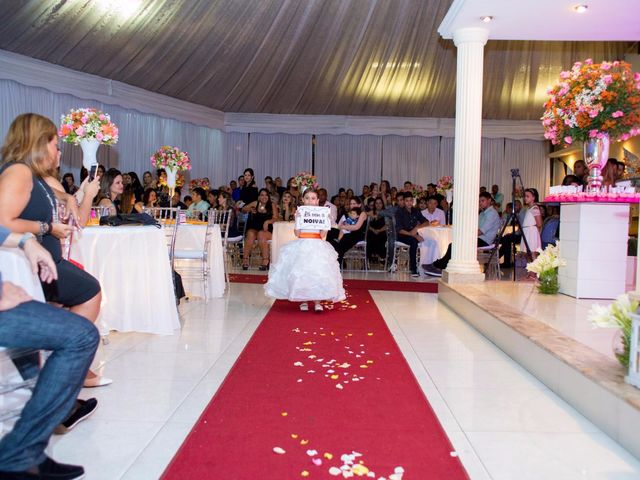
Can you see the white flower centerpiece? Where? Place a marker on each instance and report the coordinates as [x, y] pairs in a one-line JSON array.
[[546, 267]]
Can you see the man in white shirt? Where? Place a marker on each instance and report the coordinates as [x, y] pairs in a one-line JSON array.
[[433, 213], [323, 202]]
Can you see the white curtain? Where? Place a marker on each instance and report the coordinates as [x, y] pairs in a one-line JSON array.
[[445, 165], [531, 158], [410, 158], [492, 163], [279, 155], [140, 134], [348, 161]]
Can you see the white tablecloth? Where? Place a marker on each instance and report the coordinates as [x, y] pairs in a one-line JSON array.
[[282, 233], [132, 266], [436, 241], [15, 269], [191, 237]]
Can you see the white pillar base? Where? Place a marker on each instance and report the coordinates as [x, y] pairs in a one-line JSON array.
[[457, 277]]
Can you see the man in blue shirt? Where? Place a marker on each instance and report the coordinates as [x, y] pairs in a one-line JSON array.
[[488, 227], [72, 340], [408, 220]]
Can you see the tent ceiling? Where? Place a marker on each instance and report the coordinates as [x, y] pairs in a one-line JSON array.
[[321, 57]]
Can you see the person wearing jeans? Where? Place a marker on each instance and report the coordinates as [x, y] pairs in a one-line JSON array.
[[408, 220], [72, 340]]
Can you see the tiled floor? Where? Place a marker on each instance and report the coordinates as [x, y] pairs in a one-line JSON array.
[[503, 423]]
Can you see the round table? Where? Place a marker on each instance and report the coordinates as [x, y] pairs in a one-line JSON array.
[[191, 237], [435, 243], [132, 265], [282, 234], [15, 268]]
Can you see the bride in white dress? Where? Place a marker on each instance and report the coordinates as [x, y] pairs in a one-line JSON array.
[[307, 268], [532, 222]]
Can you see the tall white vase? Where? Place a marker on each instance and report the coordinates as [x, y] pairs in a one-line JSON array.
[[171, 179], [89, 150]]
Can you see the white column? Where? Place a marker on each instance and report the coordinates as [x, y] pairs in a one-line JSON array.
[[463, 266]]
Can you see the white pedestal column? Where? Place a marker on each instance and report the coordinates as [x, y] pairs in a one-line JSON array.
[[593, 242], [463, 266]]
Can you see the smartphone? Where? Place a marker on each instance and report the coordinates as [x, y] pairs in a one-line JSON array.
[[92, 172]]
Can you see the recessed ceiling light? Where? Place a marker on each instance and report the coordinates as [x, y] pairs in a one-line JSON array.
[[486, 18], [581, 8]]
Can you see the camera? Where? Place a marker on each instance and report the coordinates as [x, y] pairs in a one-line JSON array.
[[515, 172]]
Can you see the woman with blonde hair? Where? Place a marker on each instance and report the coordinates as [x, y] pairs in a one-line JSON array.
[[28, 205]]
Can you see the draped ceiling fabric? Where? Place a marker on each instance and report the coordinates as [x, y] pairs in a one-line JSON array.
[[325, 57]]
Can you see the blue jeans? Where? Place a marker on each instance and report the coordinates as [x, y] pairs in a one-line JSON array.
[[73, 341]]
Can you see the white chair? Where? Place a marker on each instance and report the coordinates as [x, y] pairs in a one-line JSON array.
[[358, 253], [14, 390], [200, 258], [162, 214]]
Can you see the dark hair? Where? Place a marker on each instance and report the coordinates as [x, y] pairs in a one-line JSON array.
[[407, 195], [187, 198], [432, 197], [105, 183], [159, 171], [432, 185], [252, 183], [486, 195], [64, 184], [135, 181], [569, 179], [84, 173], [177, 190], [358, 210], [125, 200], [147, 194], [200, 191], [269, 204], [534, 192], [407, 181]]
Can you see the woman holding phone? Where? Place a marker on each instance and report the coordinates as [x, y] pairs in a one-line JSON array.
[[27, 205]]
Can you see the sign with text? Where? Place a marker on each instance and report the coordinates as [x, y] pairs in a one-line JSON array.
[[313, 218]]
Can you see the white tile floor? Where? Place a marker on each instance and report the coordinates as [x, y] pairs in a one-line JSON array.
[[503, 422]]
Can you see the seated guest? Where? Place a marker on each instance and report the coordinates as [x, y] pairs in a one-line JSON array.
[[279, 188], [137, 187], [581, 171], [212, 198], [610, 173], [235, 193], [287, 209], [432, 213], [621, 170], [175, 200], [448, 212], [68, 184], [147, 181], [377, 234], [322, 202], [150, 198], [200, 206], [128, 202], [408, 221], [488, 227], [27, 205], [188, 200], [110, 189], [249, 190], [262, 213], [497, 197], [225, 202], [72, 341], [571, 180], [356, 232], [350, 219]]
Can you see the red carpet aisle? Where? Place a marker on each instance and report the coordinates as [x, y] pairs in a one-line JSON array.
[[325, 395], [396, 286]]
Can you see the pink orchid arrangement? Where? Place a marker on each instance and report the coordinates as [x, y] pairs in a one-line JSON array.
[[199, 182], [591, 100], [86, 123], [171, 157]]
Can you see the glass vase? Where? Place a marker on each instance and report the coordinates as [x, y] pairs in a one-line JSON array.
[[548, 282]]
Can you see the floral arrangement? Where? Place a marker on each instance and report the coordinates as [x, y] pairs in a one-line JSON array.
[[305, 180], [445, 183], [618, 314], [545, 266], [171, 157], [593, 99], [180, 181], [417, 190], [86, 123], [199, 182]]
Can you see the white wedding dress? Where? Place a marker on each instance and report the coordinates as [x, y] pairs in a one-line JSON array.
[[307, 269]]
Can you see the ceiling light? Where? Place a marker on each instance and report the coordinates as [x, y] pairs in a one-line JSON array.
[[125, 8], [581, 8], [486, 18]]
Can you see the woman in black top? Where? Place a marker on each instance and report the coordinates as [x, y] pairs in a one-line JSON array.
[[28, 204], [111, 188], [249, 192], [138, 190], [377, 234], [262, 214]]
